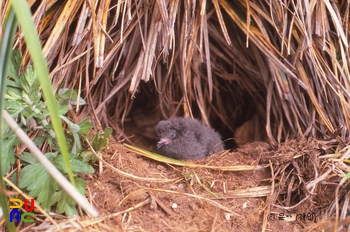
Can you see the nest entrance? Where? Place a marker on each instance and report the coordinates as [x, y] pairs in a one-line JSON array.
[[240, 123]]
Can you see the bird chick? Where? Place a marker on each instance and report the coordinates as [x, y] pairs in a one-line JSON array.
[[187, 138]]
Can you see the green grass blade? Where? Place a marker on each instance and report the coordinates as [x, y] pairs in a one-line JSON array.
[[167, 160], [5, 56], [31, 37]]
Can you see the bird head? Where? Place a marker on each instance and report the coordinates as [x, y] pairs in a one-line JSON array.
[[169, 131]]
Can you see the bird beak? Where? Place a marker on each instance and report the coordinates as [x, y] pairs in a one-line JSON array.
[[163, 141]]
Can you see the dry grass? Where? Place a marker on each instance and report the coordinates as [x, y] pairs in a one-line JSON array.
[[288, 63], [285, 61]]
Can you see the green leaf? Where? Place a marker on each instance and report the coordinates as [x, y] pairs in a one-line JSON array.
[[81, 183], [65, 203], [100, 140], [77, 165], [30, 158], [40, 184], [85, 126], [56, 197], [15, 64], [46, 190], [63, 109], [14, 178], [88, 156], [39, 140], [69, 97], [14, 108], [76, 148], [31, 84], [74, 128], [7, 155], [13, 91], [80, 101], [31, 174]]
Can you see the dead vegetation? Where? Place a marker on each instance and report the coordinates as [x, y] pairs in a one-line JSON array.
[[283, 64]]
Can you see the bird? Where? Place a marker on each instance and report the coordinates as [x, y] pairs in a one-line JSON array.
[[187, 139]]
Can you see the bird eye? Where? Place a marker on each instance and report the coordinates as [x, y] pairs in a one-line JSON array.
[[172, 134]]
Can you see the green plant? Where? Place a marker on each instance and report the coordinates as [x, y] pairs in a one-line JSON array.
[[24, 102], [98, 142]]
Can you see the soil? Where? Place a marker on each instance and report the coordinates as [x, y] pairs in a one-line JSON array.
[[203, 199]]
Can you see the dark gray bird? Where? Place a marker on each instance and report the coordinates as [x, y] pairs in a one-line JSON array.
[[187, 138]]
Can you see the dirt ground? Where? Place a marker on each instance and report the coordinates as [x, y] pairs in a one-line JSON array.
[[203, 199]]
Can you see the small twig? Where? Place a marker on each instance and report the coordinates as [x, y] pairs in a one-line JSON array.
[[210, 201], [100, 219]]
